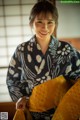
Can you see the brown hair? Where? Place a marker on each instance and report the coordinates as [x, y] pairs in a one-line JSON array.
[[43, 7]]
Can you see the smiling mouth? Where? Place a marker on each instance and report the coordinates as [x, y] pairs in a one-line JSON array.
[[42, 33]]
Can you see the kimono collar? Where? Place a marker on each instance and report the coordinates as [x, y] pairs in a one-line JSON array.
[[53, 43]]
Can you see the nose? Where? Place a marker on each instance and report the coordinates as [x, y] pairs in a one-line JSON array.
[[45, 26]]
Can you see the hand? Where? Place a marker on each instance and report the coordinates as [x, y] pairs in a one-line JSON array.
[[21, 103]]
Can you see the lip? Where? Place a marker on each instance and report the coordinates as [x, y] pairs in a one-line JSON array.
[[43, 33]]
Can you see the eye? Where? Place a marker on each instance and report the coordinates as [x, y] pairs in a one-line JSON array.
[[39, 21], [50, 22]]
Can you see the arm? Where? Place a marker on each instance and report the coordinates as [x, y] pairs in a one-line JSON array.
[[15, 87], [72, 71]]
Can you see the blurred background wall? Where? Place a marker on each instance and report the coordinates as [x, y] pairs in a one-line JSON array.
[[69, 23]]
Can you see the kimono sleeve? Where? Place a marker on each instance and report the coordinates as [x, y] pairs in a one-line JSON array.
[[16, 88], [73, 70]]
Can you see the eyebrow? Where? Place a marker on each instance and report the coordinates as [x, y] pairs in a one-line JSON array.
[[46, 19]]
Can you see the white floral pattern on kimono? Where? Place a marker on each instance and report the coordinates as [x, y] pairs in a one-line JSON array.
[[29, 67]]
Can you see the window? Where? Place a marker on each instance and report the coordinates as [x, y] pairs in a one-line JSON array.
[[14, 29]]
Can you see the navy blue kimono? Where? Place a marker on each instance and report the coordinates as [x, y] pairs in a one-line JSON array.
[[30, 67]]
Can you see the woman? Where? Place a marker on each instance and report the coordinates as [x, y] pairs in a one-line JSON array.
[[40, 59]]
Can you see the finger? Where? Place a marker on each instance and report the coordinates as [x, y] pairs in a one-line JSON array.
[[20, 106]]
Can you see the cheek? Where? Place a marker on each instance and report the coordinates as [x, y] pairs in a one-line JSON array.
[[52, 29], [35, 27]]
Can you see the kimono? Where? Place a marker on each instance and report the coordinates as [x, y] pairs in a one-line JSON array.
[[29, 67]]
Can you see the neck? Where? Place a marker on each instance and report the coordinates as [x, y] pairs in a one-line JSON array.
[[44, 44]]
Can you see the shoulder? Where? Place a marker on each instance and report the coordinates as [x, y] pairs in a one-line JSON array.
[[21, 47], [63, 43], [66, 45]]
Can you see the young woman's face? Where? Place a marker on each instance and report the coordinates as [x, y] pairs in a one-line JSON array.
[[43, 26]]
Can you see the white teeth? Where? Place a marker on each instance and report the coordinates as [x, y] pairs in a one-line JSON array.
[[44, 33]]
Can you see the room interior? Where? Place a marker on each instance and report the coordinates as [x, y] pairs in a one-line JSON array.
[[14, 16]]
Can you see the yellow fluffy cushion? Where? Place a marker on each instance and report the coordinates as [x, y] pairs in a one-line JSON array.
[[19, 115], [48, 95], [22, 115], [69, 107]]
